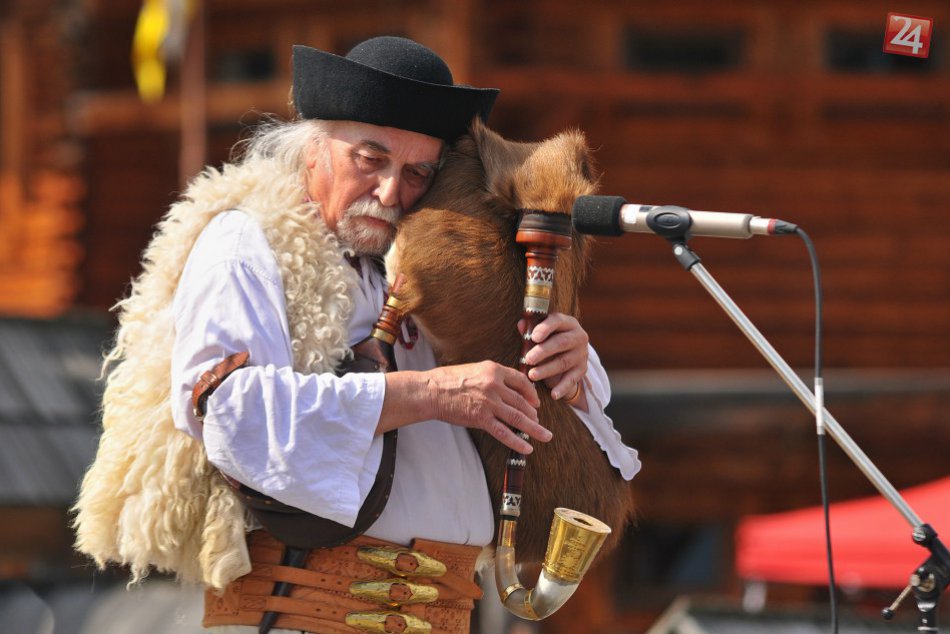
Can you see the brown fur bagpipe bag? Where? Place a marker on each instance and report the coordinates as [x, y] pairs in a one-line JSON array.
[[465, 287]]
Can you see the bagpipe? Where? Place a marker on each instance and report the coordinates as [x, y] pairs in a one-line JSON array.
[[491, 243]]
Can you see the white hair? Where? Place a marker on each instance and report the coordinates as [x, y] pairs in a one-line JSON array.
[[286, 142]]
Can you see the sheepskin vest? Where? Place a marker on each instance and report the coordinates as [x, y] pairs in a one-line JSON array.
[[151, 498]]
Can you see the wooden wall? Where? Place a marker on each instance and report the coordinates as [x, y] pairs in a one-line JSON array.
[[783, 123], [39, 187], [740, 106], [132, 148]]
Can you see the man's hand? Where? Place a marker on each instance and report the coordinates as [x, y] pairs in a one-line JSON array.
[[490, 397], [559, 356], [485, 396]]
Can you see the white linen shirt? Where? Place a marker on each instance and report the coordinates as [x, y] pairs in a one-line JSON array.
[[309, 440]]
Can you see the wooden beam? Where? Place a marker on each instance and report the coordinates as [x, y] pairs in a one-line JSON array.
[[29, 534], [13, 136], [99, 9], [119, 111], [12, 97], [447, 30], [721, 87], [194, 124], [122, 111]]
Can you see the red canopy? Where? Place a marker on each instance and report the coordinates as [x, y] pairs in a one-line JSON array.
[[871, 541]]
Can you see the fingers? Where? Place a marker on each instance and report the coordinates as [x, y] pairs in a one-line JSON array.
[[516, 411], [557, 334], [573, 360], [503, 434], [510, 420], [566, 386], [491, 397], [562, 371], [559, 355], [555, 322], [521, 385], [518, 408]]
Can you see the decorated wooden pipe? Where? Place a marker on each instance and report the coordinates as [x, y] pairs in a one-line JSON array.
[[575, 537]]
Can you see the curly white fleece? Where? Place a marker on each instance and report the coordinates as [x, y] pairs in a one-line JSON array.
[[151, 498]]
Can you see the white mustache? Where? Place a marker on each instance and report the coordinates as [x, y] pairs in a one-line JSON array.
[[373, 209]]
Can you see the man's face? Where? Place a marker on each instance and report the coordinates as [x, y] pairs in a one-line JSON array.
[[374, 175]]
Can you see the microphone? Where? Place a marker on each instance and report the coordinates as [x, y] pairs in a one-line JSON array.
[[613, 216]]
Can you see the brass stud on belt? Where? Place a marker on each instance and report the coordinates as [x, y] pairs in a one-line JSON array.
[[387, 623], [401, 561], [394, 592]]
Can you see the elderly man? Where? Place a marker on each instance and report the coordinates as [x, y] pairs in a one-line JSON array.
[[275, 256]]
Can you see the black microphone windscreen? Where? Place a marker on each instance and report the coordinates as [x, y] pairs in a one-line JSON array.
[[598, 215]]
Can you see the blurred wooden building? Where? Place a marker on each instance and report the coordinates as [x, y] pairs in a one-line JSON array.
[[784, 108]]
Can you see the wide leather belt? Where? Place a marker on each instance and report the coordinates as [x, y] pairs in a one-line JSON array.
[[367, 585]]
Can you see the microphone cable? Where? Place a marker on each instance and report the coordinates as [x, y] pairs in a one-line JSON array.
[[820, 424]]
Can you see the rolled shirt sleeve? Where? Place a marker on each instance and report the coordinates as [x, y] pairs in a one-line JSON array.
[[307, 440]]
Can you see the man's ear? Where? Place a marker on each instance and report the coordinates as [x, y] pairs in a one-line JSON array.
[[500, 159]]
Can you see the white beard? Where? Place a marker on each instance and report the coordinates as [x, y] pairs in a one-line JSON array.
[[364, 238]]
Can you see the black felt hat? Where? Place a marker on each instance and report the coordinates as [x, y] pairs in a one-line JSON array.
[[387, 81]]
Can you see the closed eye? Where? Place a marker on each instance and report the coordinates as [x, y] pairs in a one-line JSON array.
[[418, 175], [369, 162]]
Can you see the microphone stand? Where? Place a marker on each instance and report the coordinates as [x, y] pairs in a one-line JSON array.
[[933, 575]]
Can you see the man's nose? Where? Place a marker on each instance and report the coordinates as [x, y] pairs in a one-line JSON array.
[[387, 190]]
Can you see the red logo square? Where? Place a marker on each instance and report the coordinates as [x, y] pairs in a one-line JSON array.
[[907, 35]]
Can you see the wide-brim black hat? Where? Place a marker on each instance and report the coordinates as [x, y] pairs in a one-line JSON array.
[[387, 81]]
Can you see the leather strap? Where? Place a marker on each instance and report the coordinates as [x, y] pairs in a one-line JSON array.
[[451, 585], [320, 597], [291, 525], [211, 379], [300, 529]]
